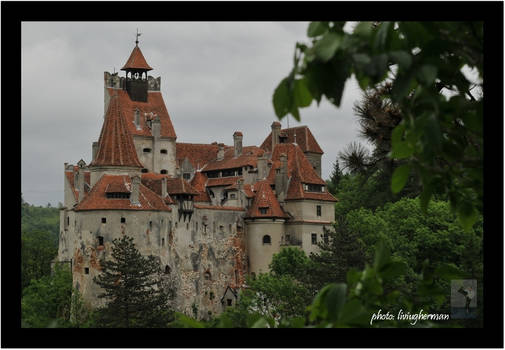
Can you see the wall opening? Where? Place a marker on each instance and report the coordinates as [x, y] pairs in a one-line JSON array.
[[144, 170], [314, 238], [163, 171], [146, 150], [318, 210], [163, 151], [267, 239], [104, 220], [167, 270], [86, 270], [123, 220], [100, 240]]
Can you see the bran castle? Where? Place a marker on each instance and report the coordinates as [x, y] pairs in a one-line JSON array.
[[211, 213]]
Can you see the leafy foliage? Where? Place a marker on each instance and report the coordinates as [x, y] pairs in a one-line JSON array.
[[439, 137], [37, 252], [133, 289]]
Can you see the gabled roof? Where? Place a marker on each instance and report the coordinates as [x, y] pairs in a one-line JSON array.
[[248, 157], [265, 199], [296, 191], [97, 198], [154, 104], [198, 183], [136, 61], [115, 145], [153, 181], [304, 139], [197, 154]]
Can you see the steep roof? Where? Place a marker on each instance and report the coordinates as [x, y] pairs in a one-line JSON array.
[[115, 145], [153, 181], [296, 191], [197, 154], [70, 177], [222, 181], [265, 199], [304, 139], [154, 104], [136, 60], [198, 182], [180, 186], [97, 198], [248, 157]]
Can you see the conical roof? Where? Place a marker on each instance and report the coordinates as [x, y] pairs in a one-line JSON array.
[[136, 61], [115, 145]]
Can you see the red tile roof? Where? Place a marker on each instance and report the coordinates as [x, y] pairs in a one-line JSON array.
[[248, 157], [248, 191], [153, 181], [180, 186], [70, 177], [136, 61], [115, 145], [304, 139], [198, 154], [154, 104], [222, 181], [198, 183], [97, 199], [296, 191], [265, 198], [215, 207]]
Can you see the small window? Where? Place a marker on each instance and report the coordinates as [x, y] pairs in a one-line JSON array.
[[167, 270], [123, 220], [144, 170], [163, 151], [163, 242], [229, 301], [146, 150], [267, 239], [314, 238], [100, 240], [207, 275], [263, 210], [104, 220], [163, 171], [232, 196], [68, 220], [150, 225], [211, 296], [186, 176], [86, 270], [318, 210]]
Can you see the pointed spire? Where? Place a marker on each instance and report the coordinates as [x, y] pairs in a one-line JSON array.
[[115, 145], [136, 61]]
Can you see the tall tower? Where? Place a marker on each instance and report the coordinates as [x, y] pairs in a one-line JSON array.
[[136, 82]]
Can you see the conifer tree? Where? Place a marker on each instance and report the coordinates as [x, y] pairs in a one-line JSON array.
[[134, 289]]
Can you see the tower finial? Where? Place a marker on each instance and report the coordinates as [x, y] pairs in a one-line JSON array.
[[137, 37]]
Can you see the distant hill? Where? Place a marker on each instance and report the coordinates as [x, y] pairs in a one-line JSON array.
[[45, 219]]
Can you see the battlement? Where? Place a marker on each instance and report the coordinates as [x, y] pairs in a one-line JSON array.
[[113, 80]]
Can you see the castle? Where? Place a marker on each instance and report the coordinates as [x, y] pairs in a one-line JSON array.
[[211, 213]]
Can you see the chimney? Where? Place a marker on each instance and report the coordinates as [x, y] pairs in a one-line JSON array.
[[262, 166], [135, 189], [156, 127], [94, 149], [237, 143], [220, 153], [276, 130], [164, 187], [281, 178], [79, 180]]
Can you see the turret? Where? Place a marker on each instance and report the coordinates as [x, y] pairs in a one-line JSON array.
[[136, 82]]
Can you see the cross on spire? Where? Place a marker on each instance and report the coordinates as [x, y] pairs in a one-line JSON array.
[[137, 37]]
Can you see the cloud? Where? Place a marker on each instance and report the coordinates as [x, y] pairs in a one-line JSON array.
[[216, 78]]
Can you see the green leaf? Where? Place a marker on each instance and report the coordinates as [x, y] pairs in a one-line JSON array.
[[335, 299], [382, 255], [381, 37], [400, 149], [354, 314], [425, 197], [363, 29], [415, 32], [427, 74], [261, 323], [432, 132], [327, 46], [393, 269], [449, 272], [316, 29], [401, 86], [302, 95], [282, 99], [400, 177], [467, 215], [402, 58]]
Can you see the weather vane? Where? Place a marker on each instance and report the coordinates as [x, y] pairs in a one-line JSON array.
[[137, 37]]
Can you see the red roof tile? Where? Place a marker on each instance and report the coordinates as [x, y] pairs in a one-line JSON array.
[[136, 61], [296, 191], [154, 104], [180, 186], [266, 199], [248, 157], [198, 183], [215, 207], [304, 139], [70, 177], [198, 154], [222, 181], [115, 145], [97, 199]]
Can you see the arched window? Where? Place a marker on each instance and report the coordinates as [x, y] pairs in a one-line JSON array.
[[266, 239], [163, 171]]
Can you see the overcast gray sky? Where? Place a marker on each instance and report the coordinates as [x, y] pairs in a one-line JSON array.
[[216, 78]]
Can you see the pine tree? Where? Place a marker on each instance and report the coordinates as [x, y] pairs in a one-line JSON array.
[[134, 289]]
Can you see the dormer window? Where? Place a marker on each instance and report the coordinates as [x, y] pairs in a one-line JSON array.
[[263, 210], [146, 150]]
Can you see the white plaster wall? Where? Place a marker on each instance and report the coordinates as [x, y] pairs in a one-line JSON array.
[[260, 255]]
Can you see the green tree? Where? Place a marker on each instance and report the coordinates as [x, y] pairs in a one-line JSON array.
[[37, 252], [46, 301], [135, 293], [439, 137], [335, 177]]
